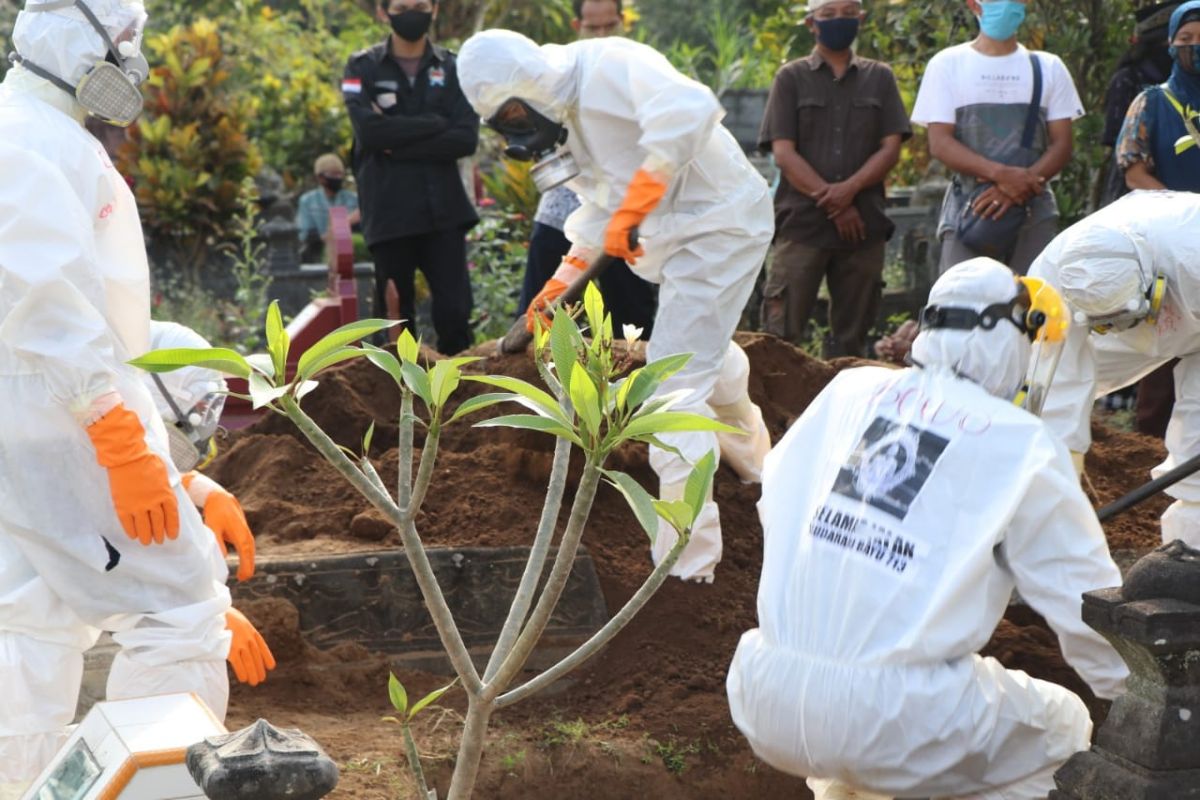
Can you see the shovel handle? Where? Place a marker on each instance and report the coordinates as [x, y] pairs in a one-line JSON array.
[[518, 337], [1149, 489]]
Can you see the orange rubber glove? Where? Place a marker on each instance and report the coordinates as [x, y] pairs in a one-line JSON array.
[[249, 654], [224, 517], [643, 195], [570, 269], [141, 492]]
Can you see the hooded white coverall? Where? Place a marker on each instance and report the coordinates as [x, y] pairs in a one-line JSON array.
[[1095, 266], [626, 108], [74, 307], [899, 512]]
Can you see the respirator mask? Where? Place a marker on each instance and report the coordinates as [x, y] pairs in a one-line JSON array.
[[109, 90], [531, 136], [191, 435], [1037, 311]]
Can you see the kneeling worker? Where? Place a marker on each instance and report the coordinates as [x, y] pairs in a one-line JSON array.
[[899, 512]]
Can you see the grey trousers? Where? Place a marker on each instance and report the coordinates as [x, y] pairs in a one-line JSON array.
[[1031, 241]]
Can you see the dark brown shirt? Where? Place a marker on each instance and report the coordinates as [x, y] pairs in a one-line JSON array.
[[837, 125]]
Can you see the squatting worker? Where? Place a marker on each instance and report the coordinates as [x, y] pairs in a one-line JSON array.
[[411, 125], [834, 122], [96, 533], [899, 512], [1130, 274], [651, 155]]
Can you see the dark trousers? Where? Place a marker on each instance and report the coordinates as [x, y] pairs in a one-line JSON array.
[[442, 258], [630, 300], [855, 290], [1156, 400]]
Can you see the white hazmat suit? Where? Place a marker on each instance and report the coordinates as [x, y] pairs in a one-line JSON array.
[[899, 512], [1097, 265], [74, 307], [627, 110]]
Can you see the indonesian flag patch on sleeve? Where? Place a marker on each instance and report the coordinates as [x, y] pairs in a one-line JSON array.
[[351, 85]]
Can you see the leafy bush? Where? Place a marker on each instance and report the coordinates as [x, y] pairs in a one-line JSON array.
[[190, 152]]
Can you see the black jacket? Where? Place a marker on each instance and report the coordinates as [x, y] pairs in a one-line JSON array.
[[405, 154]]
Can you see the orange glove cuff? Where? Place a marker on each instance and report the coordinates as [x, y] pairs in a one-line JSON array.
[[118, 437], [644, 194]]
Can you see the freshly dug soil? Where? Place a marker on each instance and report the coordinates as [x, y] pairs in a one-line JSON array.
[[651, 708]]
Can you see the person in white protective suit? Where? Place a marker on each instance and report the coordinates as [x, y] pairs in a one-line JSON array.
[[650, 161], [899, 512], [1130, 274], [190, 401], [95, 533]]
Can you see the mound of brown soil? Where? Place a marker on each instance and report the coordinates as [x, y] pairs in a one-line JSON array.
[[666, 671]]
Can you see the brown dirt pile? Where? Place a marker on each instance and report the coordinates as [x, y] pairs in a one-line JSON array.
[[666, 671]]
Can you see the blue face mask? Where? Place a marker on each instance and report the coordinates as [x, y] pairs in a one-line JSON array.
[[1187, 56], [1001, 19], [837, 34]]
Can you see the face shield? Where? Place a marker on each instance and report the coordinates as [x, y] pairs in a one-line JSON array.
[[1037, 311], [531, 136], [1046, 323], [1107, 281], [192, 432], [108, 90]]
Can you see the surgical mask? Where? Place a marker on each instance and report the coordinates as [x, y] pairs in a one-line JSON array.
[[332, 184], [411, 26], [1001, 18], [109, 90], [837, 34], [1187, 56], [531, 136]]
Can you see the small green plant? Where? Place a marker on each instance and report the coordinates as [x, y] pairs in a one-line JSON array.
[[497, 267], [587, 404], [399, 698], [511, 762], [246, 262], [674, 753]]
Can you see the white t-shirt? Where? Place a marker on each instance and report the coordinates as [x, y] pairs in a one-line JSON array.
[[961, 76]]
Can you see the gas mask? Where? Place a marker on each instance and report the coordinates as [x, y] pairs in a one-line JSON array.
[[191, 435], [530, 136], [109, 90], [1038, 311]]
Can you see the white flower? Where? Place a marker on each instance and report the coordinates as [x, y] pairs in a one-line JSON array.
[[632, 333]]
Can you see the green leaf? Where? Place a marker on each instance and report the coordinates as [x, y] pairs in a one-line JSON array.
[[660, 444], [663, 402], [674, 422], [386, 361], [676, 512], [329, 360], [331, 342], [396, 694], [640, 501], [699, 482], [407, 347], [586, 400], [417, 381], [222, 359], [443, 380], [432, 697], [262, 393], [545, 404], [261, 362], [593, 307], [367, 438], [564, 342], [531, 422], [277, 344], [479, 402], [650, 377]]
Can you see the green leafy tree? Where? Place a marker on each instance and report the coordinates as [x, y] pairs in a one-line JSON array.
[[586, 404]]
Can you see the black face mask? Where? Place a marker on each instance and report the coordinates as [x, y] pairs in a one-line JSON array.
[[529, 134], [332, 184], [411, 26]]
